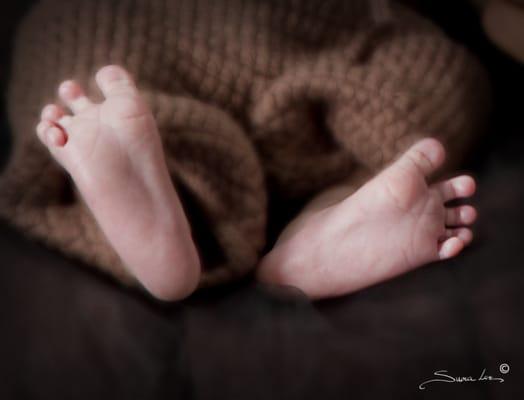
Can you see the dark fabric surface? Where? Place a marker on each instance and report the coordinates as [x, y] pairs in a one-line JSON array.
[[68, 332]]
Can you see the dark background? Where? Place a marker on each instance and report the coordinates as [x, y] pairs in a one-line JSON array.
[[68, 332]]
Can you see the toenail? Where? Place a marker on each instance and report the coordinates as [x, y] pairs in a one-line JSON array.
[[435, 153], [49, 112], [66, 84], [113, 73], [66, 87], [462, 186]]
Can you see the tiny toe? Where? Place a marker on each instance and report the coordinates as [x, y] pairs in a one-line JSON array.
[[41, 128], [458, 187], [427, 155], [450, 248], [73, 96], [55, 137], [51, 135], [52, 112], [114, 81], [462, 215]]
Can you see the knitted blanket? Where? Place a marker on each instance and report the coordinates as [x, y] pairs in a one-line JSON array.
[[252, 97]]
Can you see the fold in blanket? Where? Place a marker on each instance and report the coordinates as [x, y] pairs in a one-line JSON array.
[[251, 97]]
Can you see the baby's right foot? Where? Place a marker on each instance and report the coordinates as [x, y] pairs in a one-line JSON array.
[[113, 152], [394, 223]]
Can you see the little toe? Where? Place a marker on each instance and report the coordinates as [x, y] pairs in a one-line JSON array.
[[52, 112], [74, 97], [56, 137], [427, 155], [450, 248], [458, 187], [462, 215], [41, 128], [115, 81], [51, 135]]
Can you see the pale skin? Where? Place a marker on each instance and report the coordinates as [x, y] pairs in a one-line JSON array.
[[341, 243]]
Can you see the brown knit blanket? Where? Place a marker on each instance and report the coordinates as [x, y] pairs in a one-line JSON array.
[[252, 97]]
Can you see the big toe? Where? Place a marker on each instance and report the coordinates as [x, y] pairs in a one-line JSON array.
[[427, 155], [50, 134], [450, 248], [113, 80]]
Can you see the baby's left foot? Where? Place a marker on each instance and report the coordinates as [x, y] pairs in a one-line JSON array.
[[394, 223], [114, 154]]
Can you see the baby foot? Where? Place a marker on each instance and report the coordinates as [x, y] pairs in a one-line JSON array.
[[113, 152], [394, 223]]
